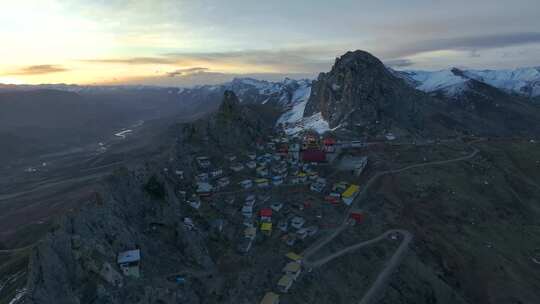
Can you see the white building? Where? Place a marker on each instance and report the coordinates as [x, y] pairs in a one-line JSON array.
[[246, 184], [129, 262], [277, 180], [297, 222]]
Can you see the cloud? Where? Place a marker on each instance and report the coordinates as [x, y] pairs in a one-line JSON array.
[[312, 59], [399, 63], [134, 60], [38, 70], [188, 71], [308, 59], [466, 43]]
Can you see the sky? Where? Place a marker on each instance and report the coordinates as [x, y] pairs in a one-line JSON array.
[[192, 42]]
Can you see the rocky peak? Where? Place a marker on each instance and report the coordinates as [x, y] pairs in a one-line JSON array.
[[359, 90], [230, 103], [233, 126], [458, 72], [358, 57]]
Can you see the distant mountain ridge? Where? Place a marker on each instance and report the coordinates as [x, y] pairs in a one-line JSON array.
[[361, 94], [291, 96], [522, 81]]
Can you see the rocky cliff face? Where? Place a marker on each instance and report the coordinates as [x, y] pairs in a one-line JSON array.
[[233, 126], [360, 90], [76, 263]]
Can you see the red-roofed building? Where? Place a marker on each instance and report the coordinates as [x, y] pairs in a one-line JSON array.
[[357, 216], [266, 214], [329, 141], [316, 156], [329, 144]]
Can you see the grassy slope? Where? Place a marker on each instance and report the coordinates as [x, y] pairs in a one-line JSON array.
[[475, 226]]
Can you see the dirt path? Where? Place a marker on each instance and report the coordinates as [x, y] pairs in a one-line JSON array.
[[315, 247], [406, 240], [395, 260], [8, 251], [389, 269]]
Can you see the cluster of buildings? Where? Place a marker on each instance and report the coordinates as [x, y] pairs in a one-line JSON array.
[[279, 162], [290, 274], [344, 192]]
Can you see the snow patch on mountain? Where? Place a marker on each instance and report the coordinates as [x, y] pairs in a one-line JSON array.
[[314, 122], [301, 94], [299, 100], [435, 81], [522, 81], [285, 93], [297, 104]]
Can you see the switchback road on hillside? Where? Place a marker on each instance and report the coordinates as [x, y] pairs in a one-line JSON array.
[[407, 237], [395, 260], [315, 247], [389, 269]]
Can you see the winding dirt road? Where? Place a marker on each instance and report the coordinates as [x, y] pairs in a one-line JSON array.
[[407, 238], [396, 258]]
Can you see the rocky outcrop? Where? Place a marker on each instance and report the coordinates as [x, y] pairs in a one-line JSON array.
[[232, 127], [360, 90], [361, 93], [76, 262]]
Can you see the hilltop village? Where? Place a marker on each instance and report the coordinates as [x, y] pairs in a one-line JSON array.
[[280, 195]]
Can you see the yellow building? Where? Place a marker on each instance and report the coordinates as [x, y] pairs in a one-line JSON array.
[[270, 298], [250, 233], [293, 268], [285, 283], [262, 182], [350, 194], [266, 227], [302, 177], [294, 257]]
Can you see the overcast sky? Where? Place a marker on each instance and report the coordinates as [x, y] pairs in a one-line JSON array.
[[186, 42]]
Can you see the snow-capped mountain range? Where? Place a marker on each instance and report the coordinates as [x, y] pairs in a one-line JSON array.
[[293, 95], [290, 95], [522, 81]]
